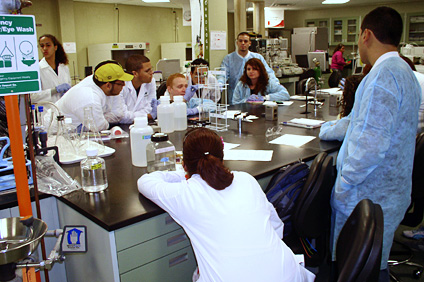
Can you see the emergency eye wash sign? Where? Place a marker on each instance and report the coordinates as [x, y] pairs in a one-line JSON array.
[[19, 71]]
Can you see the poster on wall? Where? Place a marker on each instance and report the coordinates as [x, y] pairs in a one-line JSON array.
[[19, 71], [274, 17], [186, 15], [197, 28], [218, 40]]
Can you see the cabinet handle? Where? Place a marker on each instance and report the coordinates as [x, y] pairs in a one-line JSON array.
[[176, 239], [169, 220], [178, 260]]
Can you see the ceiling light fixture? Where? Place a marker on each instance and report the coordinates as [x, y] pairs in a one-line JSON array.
[[335, 1], [155, 1]]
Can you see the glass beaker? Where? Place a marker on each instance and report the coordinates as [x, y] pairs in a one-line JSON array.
[[89, 136], [63, 141]]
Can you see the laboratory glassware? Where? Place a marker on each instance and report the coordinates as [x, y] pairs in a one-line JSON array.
[[89, 135], [160, 153], [93, 172], [63, 141]]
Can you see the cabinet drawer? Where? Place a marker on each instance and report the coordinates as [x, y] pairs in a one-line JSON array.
[[178, 266], [151, 250], [144, 230]]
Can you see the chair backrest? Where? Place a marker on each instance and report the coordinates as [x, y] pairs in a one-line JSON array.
[[358, 250], [312, 213], [161, 90], [417, 195], [418, 171]]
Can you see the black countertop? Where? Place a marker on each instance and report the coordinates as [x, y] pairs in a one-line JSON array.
[[121, 204]]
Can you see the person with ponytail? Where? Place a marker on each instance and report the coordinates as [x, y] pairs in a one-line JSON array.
[[234, 231], [54, 71]]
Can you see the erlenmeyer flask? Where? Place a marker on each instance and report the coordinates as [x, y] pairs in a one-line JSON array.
[[63, 141], [89, 135]]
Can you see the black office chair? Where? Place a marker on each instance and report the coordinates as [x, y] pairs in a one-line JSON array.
[[300, 86], [311, 217], [161, 90], [415, 213], [358, 250]]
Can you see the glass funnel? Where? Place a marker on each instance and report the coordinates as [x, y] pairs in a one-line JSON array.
[[89, 135]]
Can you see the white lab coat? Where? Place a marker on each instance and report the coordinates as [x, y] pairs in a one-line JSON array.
[[235, 233], [49, 80], [85, 94], [133, 106]]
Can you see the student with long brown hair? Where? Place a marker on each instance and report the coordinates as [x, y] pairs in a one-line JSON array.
[[255, 85], [54, 71], [234, 231]]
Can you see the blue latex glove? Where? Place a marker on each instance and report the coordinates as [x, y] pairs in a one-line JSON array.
[[154, 104], [254, 98], [62, 88], [190, 91], [193, 111]]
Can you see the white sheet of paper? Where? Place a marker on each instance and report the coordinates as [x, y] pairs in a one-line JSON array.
[[285, 103], [230, 114], [229, 146], [248, 155], [307, 121], [292, 140]]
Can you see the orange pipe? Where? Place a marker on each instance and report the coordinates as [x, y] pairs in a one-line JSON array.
[[18, 156]]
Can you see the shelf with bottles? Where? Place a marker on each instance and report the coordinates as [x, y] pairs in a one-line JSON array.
[[415, 28]]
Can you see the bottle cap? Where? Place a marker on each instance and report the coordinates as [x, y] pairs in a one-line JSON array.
[[164, 99], [91, 152], [68, 120], [178, 98], [32, 107], [158, 137], [140, 122], [40, 109]]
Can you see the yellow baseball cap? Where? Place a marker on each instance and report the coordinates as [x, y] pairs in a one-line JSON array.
[[111, 72]]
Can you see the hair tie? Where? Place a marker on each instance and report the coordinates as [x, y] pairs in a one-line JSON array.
[[206, 153]]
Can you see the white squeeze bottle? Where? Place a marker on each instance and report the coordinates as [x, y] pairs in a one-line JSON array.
[[166, 115], [140, 136], [180, 114]]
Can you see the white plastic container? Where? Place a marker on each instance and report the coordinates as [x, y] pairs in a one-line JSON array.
[[180, 113], [93, 172], [166, 115], [140, 136]]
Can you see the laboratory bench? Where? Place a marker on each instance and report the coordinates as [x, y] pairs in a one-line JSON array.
[[132, 239]]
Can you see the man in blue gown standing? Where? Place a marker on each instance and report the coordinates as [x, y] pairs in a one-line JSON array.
[[376, 158]]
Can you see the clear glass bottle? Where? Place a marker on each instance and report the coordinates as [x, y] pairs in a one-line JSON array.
[[89, 136], [93, 172], [160, 153]]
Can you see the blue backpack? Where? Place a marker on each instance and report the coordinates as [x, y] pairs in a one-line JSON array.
[[284, 188]]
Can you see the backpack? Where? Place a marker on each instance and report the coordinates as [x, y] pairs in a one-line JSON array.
[[284, 188]]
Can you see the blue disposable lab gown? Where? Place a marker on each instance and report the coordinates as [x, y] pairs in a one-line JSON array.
[[334, 129], [376, 157], [234, 67], [275, 90]]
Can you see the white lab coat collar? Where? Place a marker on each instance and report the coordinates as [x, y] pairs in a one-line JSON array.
[[384, 57], [43, 63]]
